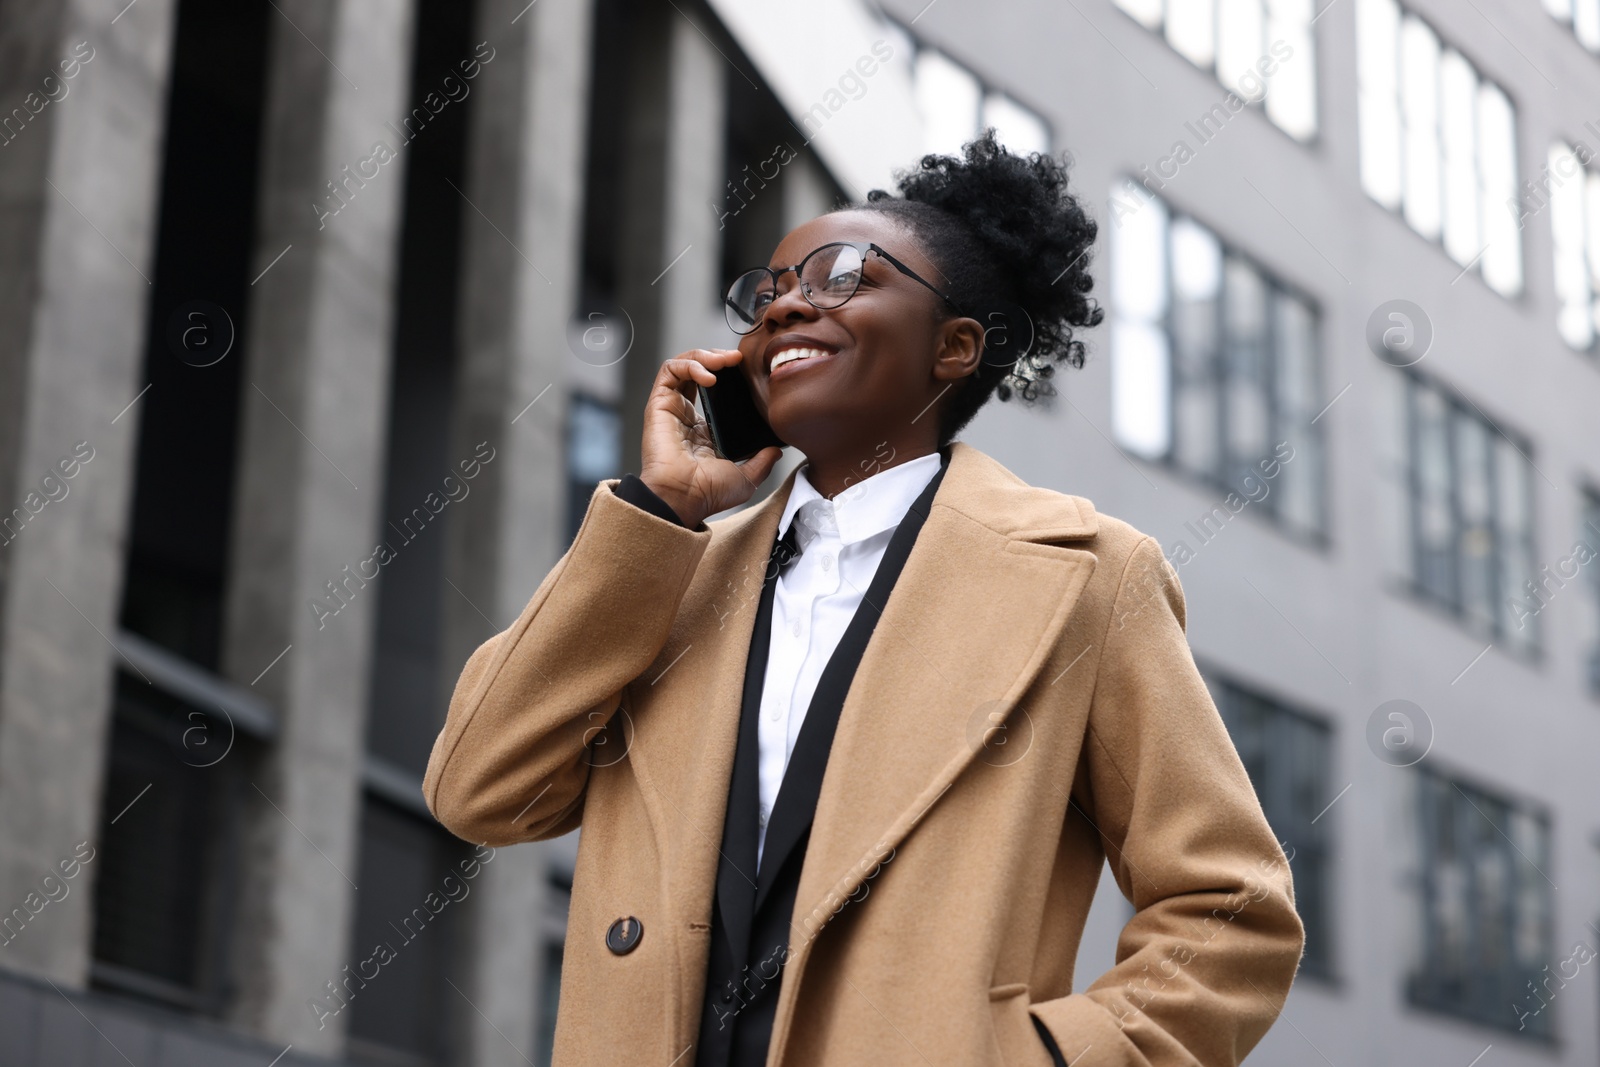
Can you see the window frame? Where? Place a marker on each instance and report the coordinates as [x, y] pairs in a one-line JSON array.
[[1485, 199], [1423, 988], [1569, 21], [1315, 897], [1159, 28], [987, 89], [1589, 523], [1458, 407], [1588, 198], [1311, 435]]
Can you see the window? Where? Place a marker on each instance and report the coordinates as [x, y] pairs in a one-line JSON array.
[[956, 105], [170, 823], [1261, 50], [1590, 536], [1470, 514], [1583, 16], [1438, 142], [1214, 362], [594, 453], [1485, 895], [415, 882], [1575, 229], [1288, 756], [555, 928]]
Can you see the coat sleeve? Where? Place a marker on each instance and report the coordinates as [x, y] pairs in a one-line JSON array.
[[512, 761], [1206, 961]]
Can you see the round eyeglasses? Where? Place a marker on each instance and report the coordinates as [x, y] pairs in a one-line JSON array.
[[828, 276]]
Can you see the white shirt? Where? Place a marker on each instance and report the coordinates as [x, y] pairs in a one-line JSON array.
[[842, 541]]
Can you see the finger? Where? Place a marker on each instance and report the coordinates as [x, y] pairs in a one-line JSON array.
[[680, 377], [758, 466], [715, 358]]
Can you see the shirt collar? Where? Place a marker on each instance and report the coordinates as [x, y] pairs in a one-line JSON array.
[[870, 506]]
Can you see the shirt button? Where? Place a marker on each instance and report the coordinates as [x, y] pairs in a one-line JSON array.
[[795, 629], [827, 563], [774, 709]]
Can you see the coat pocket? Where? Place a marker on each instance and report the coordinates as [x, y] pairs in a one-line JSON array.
[[1020, 1045]]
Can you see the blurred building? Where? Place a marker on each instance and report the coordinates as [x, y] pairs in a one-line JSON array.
[[324, 317]]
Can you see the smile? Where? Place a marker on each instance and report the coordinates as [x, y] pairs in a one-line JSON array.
[[795, 355]]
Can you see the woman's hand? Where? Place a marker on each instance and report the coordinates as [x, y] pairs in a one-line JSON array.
[[679, 462]]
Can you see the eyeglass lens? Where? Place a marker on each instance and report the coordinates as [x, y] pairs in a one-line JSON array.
[[828, 277]]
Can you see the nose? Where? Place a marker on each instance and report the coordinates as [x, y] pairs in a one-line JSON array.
[[788, 303]]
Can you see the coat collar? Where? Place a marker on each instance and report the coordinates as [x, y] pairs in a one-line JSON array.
[[979, 606]]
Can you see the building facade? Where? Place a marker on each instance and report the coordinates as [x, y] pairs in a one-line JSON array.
[[324, 319]]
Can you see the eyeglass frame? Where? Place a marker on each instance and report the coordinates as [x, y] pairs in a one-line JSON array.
[[862, 248]]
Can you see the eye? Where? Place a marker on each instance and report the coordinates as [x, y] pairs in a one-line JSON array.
[[842, 281]]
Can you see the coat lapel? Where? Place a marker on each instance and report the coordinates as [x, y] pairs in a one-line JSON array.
[[797, 796]]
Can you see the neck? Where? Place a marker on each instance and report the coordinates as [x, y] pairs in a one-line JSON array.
[[832, 474]]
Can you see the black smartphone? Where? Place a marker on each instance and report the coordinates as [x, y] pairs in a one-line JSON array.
[[738, 430]]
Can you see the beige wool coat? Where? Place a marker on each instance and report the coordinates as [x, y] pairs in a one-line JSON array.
[[1027, 708]]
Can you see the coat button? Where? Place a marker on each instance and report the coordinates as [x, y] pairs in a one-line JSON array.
[[623, 937]]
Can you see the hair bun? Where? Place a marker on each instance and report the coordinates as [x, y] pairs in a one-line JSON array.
[[1008, 234]]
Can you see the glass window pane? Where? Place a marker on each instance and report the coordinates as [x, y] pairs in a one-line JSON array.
[[1378, 30], [1434, 522], [1567, 230], [1196, 261], [1239, 42], [1514, 542], [1016, 127], [1196, 284], [1140, 388], [948, 97], [1586, 23], [1475, 551], [1192, 30], [1458, 124], [1419, 96], [1140, 366], [1288, 756], [1497, 165], [1292, 99], [405, 864], [1146, 11], [1297, 495], [1139, 255], [1246, 415], [1592, 229]]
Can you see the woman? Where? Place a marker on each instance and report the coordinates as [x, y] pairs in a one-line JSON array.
[[957, 760]]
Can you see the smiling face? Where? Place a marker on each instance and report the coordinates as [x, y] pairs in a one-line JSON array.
[[882, 358]]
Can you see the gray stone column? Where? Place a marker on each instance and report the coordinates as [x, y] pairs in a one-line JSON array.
[[80, 154], [669, 270], [521, 248], [310, 485]]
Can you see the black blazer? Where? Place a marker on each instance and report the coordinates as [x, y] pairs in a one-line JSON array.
[[753, 910]]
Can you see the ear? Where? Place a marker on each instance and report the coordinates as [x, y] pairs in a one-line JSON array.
[[960, 349]]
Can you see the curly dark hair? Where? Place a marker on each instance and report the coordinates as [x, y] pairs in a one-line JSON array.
[[1012, 245]]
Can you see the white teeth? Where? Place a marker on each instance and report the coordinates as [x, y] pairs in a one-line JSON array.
[[789, 355]]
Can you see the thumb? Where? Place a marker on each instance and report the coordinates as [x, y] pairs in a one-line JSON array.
[[758, 466]]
